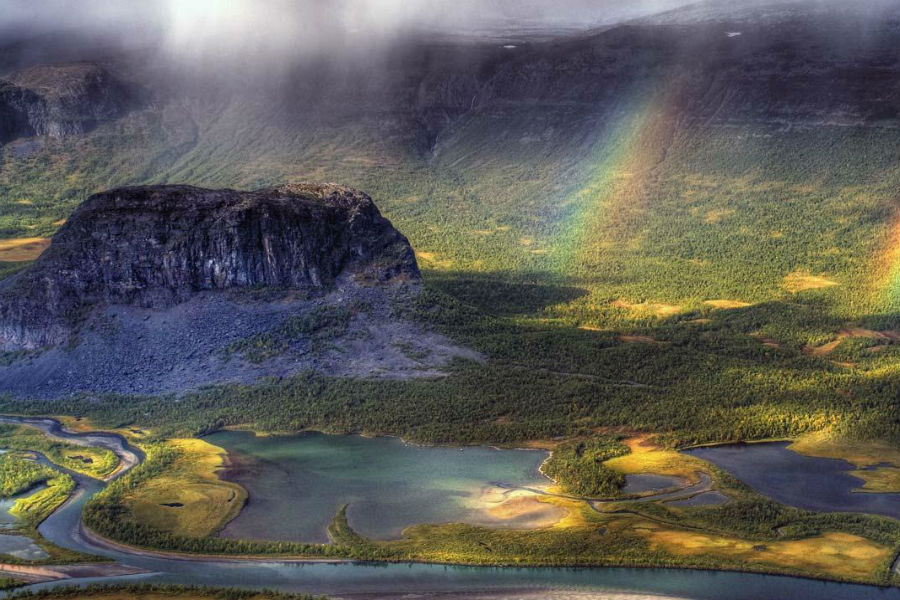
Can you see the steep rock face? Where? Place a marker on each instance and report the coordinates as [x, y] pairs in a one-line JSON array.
[[58, 101], [160, 245], [14, 103]]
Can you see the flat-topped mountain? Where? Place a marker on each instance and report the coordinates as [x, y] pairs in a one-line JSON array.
[[157, 246], [159, 288]]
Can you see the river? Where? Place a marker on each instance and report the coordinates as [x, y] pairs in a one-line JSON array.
[[64, 528]]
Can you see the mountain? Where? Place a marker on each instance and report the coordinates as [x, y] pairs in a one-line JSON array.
[[60, 100], [157, 246], [243, 274]]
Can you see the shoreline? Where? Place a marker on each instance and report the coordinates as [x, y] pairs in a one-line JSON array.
[[108, 544], [43, 573]]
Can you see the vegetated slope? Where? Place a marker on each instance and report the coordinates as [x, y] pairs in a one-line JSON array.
[[704, 193], [136, 283]]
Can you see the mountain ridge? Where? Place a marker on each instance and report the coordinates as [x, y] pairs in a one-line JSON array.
[[61, 100]]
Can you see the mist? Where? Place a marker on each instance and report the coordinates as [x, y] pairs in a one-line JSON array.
[[276, 32]]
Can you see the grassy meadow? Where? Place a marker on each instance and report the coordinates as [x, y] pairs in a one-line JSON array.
[[189, 498], [19, 474], [87, 460]]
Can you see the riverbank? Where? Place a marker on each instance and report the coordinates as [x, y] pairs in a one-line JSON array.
[[43, 573], [128, 456], [130, 551], [101, 542]]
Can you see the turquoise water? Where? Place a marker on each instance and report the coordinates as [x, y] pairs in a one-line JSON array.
[[297, 483], [19, 546], [8, 520], [63, 527]]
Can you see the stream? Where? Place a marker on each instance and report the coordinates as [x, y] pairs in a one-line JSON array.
[[374, 580]]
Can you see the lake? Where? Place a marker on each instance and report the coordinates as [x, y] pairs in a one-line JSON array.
[[813, 483], [297, 483], [63, 528]]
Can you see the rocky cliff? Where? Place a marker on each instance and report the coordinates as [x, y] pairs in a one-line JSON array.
[[154, 247], [60, 100]]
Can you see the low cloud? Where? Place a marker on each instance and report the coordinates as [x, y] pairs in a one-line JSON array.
[[243, 31]]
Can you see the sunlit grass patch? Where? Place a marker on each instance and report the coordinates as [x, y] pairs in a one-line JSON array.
[[861, 453], [879, 479], [22, 249], [660, 309], [864, 454], [433, 261], [19, 473], [723, 304], [802, 281], [38, 506], [840, 554], [647, 457], [189, 498]]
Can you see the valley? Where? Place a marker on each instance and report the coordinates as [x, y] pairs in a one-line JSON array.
[[611, 310], [640, 531], [711, 263]]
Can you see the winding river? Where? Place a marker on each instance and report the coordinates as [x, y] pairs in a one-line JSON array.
[[64, 528]]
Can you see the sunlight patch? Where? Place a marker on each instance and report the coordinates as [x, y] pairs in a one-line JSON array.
[[432, 260], [717, 215], [659, 309], [801, 281], [724, 304], [21, 249]]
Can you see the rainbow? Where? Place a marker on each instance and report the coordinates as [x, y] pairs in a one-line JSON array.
[[610, 205], [891, 269]]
